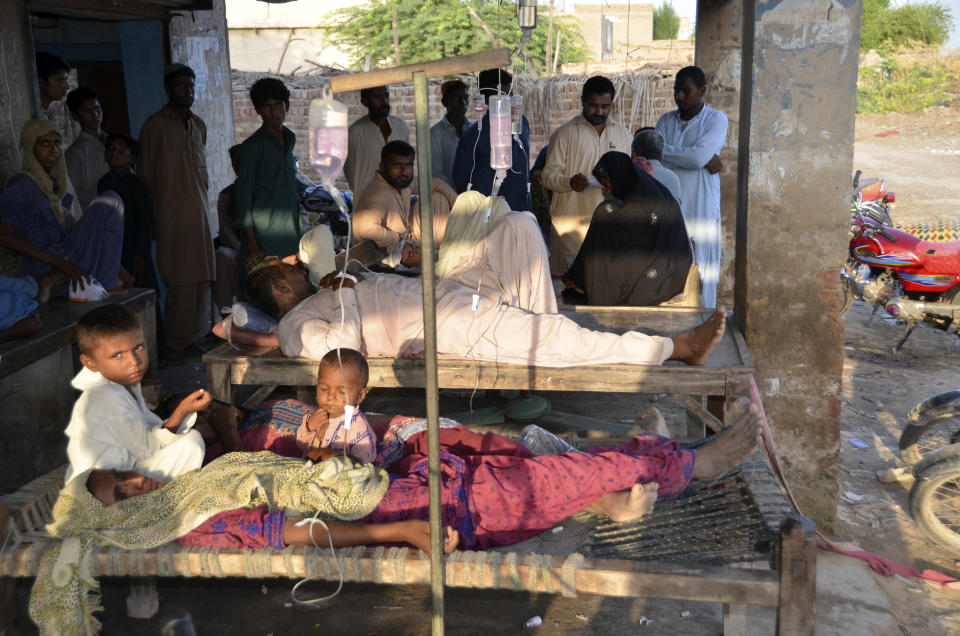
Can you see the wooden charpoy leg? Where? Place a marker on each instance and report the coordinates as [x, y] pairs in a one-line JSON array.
[[218, 381], [796, 611], [8, 584]]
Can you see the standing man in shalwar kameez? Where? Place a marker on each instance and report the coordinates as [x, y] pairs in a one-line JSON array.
[[693, 137], [173, 162], [575, 148]]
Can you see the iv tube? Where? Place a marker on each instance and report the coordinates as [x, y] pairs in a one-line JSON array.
[[501, 150], [328, 137]]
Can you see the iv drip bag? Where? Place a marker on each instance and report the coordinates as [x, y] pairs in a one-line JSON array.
[[516, 114], [328, 136], [501, 149]]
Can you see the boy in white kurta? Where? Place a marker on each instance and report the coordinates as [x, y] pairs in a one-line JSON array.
[[111, 426]]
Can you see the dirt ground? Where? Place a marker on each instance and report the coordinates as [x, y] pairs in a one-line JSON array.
[[921, 162]]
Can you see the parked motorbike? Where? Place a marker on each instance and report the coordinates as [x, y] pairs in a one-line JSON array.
[[317, 207], [914, 281], [930, 445]]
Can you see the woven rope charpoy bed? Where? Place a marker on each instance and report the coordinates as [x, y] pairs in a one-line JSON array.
[[728, 541]]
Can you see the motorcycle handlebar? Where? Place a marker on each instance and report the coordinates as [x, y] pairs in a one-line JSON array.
[[856, 178], [886, 235]]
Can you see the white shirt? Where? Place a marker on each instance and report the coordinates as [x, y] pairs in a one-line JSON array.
[[575, 147], [111, 427], [443, 149], [85, 165], [688, 146], [364, 143]]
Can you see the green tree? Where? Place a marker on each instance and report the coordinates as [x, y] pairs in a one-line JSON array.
[[666, 22], [883, 28], [433, 29]]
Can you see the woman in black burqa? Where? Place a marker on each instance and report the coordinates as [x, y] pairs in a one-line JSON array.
[[636, 251]]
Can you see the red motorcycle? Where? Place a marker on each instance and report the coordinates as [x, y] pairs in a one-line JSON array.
[[911, 279]]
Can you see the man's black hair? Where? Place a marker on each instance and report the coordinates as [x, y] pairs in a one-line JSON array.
[[396, 148], [453, 85], [269, 88], [488, 80], [694, 73], [77, 96], [598, 85], [132, 144], [259, 278], [186, 71], [48, 64], [647, 143]]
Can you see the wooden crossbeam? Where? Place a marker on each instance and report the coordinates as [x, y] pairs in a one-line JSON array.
[[497, 58]]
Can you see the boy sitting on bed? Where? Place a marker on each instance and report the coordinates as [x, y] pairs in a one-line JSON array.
[[111, 425], [341, 381]]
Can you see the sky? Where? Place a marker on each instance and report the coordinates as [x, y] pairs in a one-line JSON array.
[[688, 9]]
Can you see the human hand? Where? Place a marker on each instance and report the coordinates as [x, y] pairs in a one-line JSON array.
[[578, 182], [321, 454], [318, 422], [412, 255], [714, 165], [196, 401], [293, 259], [79, 279]]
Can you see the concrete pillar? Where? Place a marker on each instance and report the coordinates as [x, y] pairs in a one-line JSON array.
[[795, 147], [16, 105], [718, 54]]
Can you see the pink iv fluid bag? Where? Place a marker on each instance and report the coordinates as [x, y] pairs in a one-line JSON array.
[[501, 151], [328, 137]]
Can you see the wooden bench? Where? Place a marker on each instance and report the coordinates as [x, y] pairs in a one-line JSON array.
[[780, 547], [726, 374], [35, 393]]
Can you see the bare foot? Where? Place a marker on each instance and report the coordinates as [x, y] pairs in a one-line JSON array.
[[417, 533], [23, 328], [657, 425], [223, 421], [45, 284], [627, 505], [695, 346], [732, 445]]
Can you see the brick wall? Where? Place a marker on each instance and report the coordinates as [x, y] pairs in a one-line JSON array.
[[642, 96]]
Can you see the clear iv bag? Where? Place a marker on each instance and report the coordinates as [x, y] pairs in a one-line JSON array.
[[516, 114], [328, 136], [501, 150]]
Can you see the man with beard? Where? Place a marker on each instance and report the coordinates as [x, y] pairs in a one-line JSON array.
[[384, 213], [693, 136], [173, 163], [575, 148], [368, 135]]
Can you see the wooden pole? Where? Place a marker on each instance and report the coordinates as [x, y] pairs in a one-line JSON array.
[[546, 61], [422, 104], [497, 58], [796, 613]]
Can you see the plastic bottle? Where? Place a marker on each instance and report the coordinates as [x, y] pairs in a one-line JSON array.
[[501, 150], [532, 622], [478, 104], [516, 114], [328, 136]]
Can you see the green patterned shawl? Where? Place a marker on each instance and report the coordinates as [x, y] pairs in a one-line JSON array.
[[65, 594]]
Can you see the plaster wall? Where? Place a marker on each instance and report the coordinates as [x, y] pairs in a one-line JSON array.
[[796, 157], [16, 105], [632, 26], [286, 48]]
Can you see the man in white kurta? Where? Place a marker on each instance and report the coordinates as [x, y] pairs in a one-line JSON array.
[[575, 148], [445, 134], [693, 136], [515, 319], [111, 427], [367, 136]]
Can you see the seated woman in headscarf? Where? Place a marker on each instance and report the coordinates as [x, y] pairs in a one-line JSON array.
[[36, 224], [636, 251]]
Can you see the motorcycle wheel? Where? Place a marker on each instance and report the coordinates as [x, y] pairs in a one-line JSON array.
[[934, 502], [847, 295], [931, 425]]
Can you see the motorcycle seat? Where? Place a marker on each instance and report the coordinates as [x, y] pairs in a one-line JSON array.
[[940, 258]]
